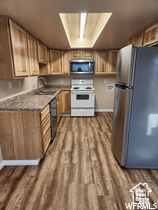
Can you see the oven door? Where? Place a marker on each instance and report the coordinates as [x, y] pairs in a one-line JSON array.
[[82, 99]]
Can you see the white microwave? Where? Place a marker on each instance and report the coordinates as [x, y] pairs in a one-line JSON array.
[[82, 66]]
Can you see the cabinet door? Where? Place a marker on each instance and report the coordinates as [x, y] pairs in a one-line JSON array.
[[32, 47], [42, 53], [59, 106], [88, 55], [55, 62], [138, 39], [131, 41], [44, 69], [66, 108], [101, 58], [75, 55], [151, 35], [65, 59], [20, 50], [112, 59]]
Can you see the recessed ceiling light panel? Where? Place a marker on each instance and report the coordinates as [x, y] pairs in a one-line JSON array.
[[82, 24]]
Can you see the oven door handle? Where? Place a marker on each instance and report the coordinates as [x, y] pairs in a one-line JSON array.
[[84, 92]]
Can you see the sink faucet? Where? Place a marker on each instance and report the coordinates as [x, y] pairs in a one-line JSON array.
[[40, 78]]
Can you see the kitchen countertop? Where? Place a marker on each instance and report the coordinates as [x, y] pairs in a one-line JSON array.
[[31, 101]]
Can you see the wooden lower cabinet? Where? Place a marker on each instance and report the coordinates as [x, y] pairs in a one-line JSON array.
[[59, 106], [46, 140], [66, 102], [23, 136], [63, 104]]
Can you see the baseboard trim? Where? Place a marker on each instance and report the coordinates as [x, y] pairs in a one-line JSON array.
[[19, 163], [1, 165], [103, 110]]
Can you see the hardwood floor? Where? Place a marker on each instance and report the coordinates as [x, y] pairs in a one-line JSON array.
[[79, 172]]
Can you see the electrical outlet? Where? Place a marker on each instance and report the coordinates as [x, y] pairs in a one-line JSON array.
[[110, 87], [19, 82], [10, 85], [61, 81], [105, 81]]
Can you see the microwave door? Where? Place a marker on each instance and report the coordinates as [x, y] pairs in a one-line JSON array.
[[82, 66]]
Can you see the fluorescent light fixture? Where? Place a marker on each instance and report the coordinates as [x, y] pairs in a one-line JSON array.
[[82, 24]]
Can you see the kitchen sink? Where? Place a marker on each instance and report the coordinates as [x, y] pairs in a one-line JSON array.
[[46, 92]]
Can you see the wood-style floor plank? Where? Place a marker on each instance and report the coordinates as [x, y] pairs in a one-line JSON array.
[[78, 172]]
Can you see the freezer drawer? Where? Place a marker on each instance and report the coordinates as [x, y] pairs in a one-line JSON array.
[[121, 123]]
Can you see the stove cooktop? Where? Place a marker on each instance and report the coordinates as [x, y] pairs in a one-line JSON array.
[[82, 85], [82, 88]]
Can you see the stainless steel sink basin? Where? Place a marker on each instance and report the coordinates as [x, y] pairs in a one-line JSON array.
[[46, 92]]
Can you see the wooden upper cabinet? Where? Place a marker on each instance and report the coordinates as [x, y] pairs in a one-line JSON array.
[[138, 39], [6, 61], [151, 35], [66, 104], [44, 69], [65, 61], [131, 41], [32, 48], [101, 59], [20, 50], [88, 55], [112, 60], [55, 62], [42, 53], [76, 55]]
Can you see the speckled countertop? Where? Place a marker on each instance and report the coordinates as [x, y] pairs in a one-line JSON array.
[[31, 101]]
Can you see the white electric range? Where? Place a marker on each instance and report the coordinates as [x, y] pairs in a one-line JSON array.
[[82, 97]]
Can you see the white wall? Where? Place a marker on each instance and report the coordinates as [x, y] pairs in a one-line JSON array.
[[19, 86]]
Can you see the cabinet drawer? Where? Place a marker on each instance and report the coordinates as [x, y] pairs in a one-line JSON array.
[[44, 112], [46, 140], [45, 125]]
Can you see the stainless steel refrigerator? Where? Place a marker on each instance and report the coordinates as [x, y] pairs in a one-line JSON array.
[[135, 117]]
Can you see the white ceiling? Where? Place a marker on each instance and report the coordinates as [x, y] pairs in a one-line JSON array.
[[41, 18]]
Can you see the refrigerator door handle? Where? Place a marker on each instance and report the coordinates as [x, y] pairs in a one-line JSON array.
[[123, 87]]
